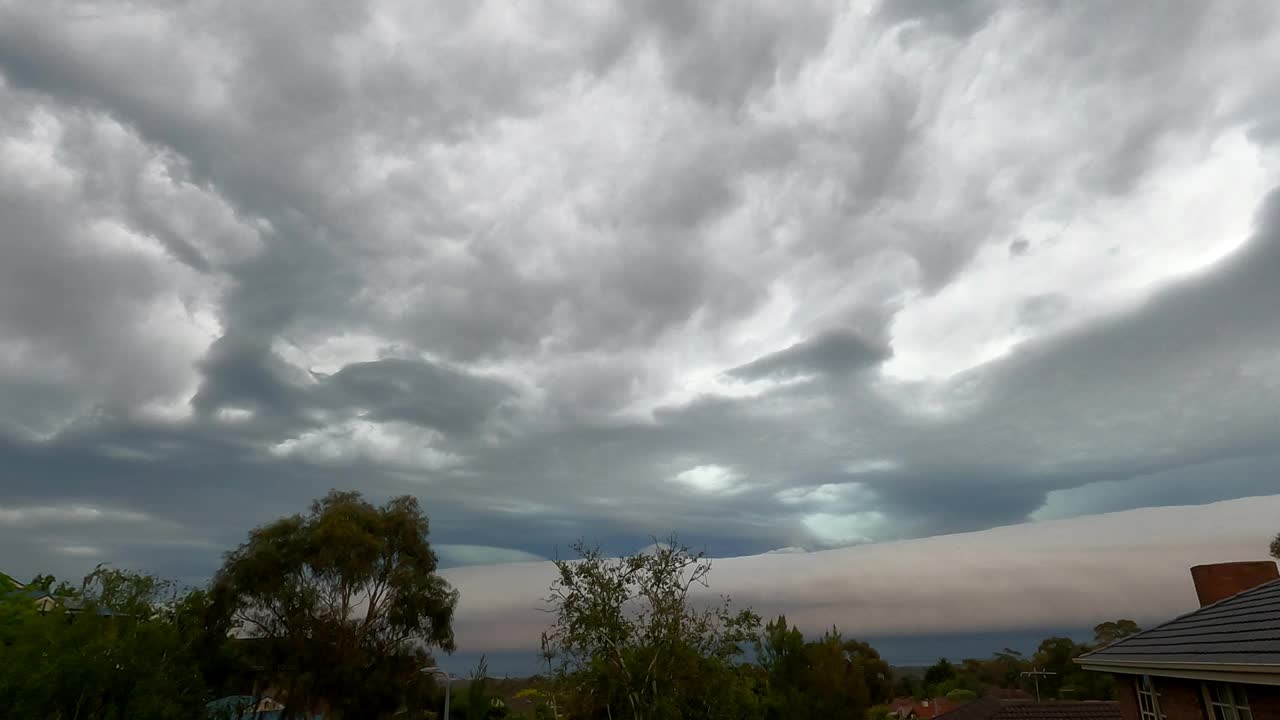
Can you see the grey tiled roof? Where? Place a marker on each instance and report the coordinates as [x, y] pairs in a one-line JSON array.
[[1243, 629], [996, 709]]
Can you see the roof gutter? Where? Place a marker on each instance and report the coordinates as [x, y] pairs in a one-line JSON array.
[[1223, 672]]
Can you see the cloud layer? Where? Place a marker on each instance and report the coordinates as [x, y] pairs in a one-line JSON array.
[[770, 277], [1065, 573]]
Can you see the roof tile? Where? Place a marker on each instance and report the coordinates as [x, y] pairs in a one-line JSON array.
[[1242, 629]]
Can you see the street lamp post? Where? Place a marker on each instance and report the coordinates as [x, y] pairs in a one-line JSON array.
[[448, 682]]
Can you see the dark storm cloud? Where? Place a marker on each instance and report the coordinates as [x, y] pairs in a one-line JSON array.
[[518, 262], [832, 352], [416, 392]]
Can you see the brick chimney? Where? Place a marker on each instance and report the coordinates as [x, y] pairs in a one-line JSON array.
[[1222, 580]]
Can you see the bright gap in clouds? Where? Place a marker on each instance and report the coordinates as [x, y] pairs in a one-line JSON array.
[[710, 479], [1075, 258]]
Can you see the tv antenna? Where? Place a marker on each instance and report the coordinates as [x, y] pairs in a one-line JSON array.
[[1037, 674]]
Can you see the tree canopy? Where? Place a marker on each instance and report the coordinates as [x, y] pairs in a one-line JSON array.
[[829, 677], [118, 647], [627, 639], [345, 601]]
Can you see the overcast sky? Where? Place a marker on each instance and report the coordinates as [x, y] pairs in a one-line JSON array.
[[769, 275]]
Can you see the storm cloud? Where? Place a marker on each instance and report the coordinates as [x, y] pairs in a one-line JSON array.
[[810, 275]]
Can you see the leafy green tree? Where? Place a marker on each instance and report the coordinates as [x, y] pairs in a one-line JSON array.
[[830, 677], [114, 649], [938, 674], [782, 653], [1275, 547], [1069, 681], [540, 700], [836, 685], [1113, 630], [906, 686], [627, 640], [877, 674], [343, 600], [1005, 668]]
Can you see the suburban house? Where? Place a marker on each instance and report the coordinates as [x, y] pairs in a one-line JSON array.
[[43, 601], [1220, 662]]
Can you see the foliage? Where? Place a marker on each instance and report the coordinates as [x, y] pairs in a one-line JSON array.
[[961, 695], [1275, 547], [115, 648], [343, 600], [830, 677], [938, 673], [1069, 681], [479, 702], [628, 640], [1004, 669], [1113, 630], [541, 703], [876, 672], [906, 686]]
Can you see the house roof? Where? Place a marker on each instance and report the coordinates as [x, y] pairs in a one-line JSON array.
[[927, 709], [991, 708], [1010, 694], [1242, 630]]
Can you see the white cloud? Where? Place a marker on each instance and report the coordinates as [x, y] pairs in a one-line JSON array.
[[107, 276], [709, 479], [846, 528], [1092, 255], [233, 414], [52, 515], [79, 550], [396, 444], [826, 495]]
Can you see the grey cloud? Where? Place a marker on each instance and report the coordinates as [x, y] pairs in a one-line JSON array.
[[957, 19], [581, 220], [241, 372], [416, 392], [832, 352], [720, 54], [1040, 309], [1050, 574]]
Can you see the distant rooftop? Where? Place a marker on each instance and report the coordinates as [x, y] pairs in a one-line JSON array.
[[991, 708]]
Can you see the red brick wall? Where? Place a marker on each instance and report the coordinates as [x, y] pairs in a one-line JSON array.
[[1182, 700], [1127, 694], [1264, 701]]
